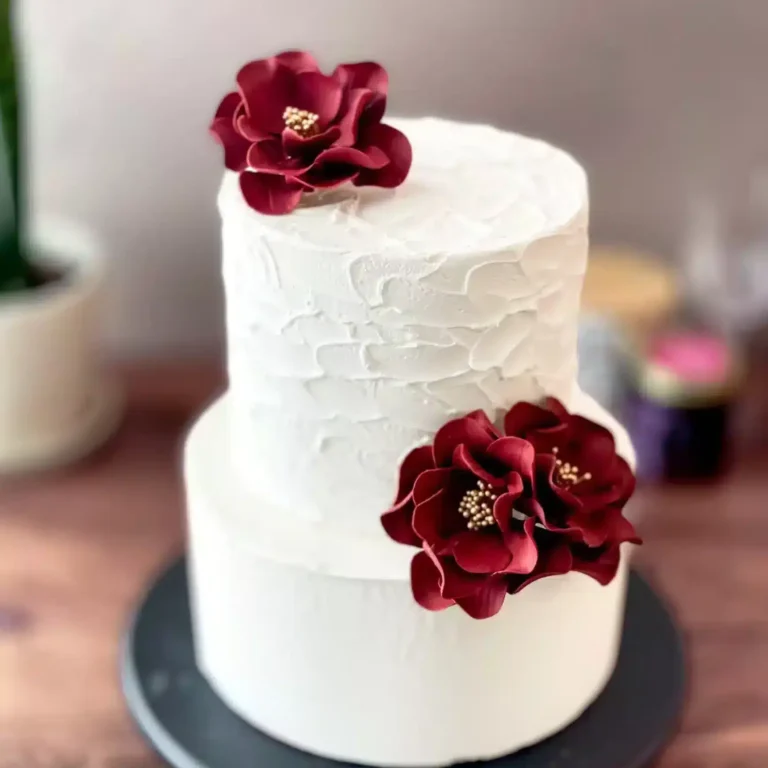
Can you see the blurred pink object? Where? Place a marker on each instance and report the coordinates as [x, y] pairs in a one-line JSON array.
[[693, 357], [681, 415]]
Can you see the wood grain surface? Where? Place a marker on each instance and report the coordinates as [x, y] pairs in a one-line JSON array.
[[77, 548]]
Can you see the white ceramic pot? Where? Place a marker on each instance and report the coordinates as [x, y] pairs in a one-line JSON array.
[[56, 403]]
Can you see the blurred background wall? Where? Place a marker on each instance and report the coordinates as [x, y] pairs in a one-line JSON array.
[[656, 97]]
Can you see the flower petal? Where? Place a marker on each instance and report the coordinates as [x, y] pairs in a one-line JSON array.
[[355, 103], [229, 106], [612, 485], [555, 503], [607, 525], [626, 481], [223, 129], [595, 444], [425, 584], [309, 147], [558, 409], [557, 560], [554, 560], [268, 156], [463, 459], [531, 508], [487, 601], [373, 113], [247, 128], [298, 61], [619, 529], [317, 93], [267, 87], [372, 158], [524, 418], [437, 519], [396, 147], [601, 564], [515, 454], [417, 461], [336, 165], [455, 582], [328, 175], [475, 431], [503, 508], [520, 542], [480, 417], [398, 525], [368, 78], [269, 193], [480, 552], [363, 74], [514, 485], [430, 481], [427, 518], [515, 535]]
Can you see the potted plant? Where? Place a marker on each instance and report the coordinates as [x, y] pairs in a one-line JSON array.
[[55, 403]]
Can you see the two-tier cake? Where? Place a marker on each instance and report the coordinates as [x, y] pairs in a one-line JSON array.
[[402, 553]]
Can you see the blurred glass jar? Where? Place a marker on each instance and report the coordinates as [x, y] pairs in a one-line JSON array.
[[725, 256], [681, 412]]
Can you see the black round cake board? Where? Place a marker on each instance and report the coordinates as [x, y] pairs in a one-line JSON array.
[[191, 727]]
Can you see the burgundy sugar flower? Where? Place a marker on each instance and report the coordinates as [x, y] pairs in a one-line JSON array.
[[493, 513], [290, 129], [455, 500], [582, 484]]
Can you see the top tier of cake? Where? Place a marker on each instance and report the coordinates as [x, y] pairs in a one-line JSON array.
[[360, 323]]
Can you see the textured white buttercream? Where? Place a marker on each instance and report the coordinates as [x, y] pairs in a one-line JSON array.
[[358, 326], [314, 636]]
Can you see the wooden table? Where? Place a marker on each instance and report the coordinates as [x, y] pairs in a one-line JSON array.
[[77, 548]]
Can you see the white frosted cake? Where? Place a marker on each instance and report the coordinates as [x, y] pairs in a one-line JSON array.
[[358, 325]]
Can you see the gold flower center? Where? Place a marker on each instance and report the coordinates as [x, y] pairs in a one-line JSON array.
[[566, 474], [476, 506], [302, 122]]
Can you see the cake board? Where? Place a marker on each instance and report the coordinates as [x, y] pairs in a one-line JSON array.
[[190, 727]]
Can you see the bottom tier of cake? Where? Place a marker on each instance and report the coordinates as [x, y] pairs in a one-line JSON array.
[[314, 637]]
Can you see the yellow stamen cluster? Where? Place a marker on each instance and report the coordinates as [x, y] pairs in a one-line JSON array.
[[567, 474], [301, 121], [477, 506]]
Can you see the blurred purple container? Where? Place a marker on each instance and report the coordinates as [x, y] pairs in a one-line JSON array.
[[680, 414]]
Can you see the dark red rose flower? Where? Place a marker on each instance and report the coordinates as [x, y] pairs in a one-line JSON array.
[[493, 513], [581, 483], [455, 500], [290, 129]]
